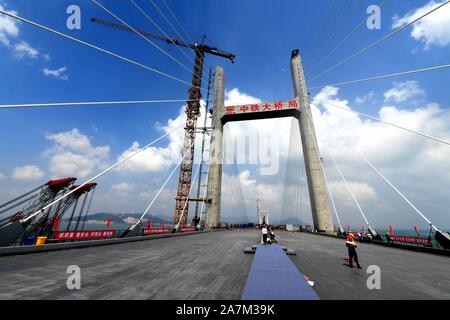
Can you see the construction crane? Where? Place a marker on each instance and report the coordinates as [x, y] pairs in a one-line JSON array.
[[195, 46], [192, 111], [45, 225], [204, 131], [35, 200]]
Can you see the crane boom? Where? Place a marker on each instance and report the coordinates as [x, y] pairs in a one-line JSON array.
[[192, 111], [196, 46]]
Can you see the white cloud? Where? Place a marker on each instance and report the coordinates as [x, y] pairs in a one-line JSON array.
[[156, 159], [165, 197], [434, 29], [27, 173], [414, 164], [365, 98], [146, 195], [153, 159], [236, 200], [403, 91], [123, 188], [24, 49], [2, 176], [71, 164], [74, 155], [11, 39], [268, 192], [244, 176], [235, 97], [8, 28], [363, 192], [57, 74]]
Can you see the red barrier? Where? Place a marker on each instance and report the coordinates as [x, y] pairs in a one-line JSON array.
[[416, 240], [89, 234], [188, 229], [146, 232]]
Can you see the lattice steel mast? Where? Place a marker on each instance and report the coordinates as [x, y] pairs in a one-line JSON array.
[[196, 219], [192, 109]]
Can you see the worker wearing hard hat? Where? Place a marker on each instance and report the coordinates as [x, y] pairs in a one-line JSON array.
[[352, 256]]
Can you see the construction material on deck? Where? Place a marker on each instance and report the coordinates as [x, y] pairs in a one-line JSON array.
[[273, 276]]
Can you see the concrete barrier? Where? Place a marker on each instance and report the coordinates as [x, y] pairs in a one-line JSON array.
[[7, 251]]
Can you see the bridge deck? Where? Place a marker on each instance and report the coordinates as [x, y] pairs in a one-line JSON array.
[[204, 266], [213, 266], [404, 274]]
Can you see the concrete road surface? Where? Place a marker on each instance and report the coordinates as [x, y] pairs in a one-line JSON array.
[[404, 274], [213, 266]]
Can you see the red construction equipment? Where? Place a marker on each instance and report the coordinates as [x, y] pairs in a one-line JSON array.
[[34, 200], [44, 225], [13, 229]]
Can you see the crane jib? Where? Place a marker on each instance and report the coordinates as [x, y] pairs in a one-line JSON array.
[[195, 46]]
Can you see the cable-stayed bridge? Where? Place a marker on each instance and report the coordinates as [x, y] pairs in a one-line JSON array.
[[210, 264]]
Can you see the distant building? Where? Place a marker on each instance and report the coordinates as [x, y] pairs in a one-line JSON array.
[[96, 222], [130, 220], [292, 227]]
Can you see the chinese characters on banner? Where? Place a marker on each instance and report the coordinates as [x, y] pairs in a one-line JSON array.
[[259, 107], [146, 232], [91, 234], [416, 240]]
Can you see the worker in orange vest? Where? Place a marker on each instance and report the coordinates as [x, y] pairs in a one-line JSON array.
[[351, 245]]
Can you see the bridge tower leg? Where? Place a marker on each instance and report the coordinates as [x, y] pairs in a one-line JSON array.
[[213, 193], [316, 180]]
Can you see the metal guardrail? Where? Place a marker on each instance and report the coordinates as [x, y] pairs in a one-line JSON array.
[[443, 252]]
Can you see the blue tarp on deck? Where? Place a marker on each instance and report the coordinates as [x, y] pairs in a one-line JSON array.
[[273, 276]]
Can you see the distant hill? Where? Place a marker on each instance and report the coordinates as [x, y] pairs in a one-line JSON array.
[[120, 217], [294, 221]]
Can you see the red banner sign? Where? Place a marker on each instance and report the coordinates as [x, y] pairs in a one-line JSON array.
[[89, 234], [259, 107], [188, 229], [146, 232], [416, 240]]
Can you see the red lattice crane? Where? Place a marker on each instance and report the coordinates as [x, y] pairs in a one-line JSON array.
[[32, 201], [192, 111]]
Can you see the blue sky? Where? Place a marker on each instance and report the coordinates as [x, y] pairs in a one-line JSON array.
[[260, 33]]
